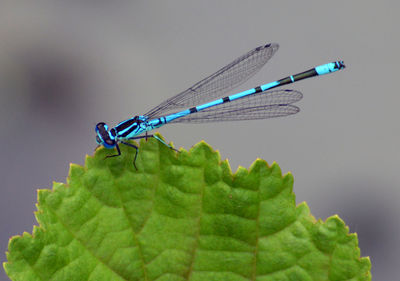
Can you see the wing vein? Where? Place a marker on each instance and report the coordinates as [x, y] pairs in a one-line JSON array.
[[215, 85], [270, 104]]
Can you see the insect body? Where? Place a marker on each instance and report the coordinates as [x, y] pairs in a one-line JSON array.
[[203, 103]]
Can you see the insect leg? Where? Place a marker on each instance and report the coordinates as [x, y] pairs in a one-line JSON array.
[[119, 152], [157, 138], [136, 148]]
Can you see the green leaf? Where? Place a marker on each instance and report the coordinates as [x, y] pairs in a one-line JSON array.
[[180, 216]]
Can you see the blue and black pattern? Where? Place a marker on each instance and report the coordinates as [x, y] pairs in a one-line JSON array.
[[203, 103]]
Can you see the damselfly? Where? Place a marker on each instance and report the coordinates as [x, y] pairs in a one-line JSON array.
[[197, 104]]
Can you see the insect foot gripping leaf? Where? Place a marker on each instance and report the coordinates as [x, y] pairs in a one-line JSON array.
[[180, 216]]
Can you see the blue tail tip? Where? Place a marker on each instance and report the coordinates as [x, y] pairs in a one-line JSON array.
[[340, 64]]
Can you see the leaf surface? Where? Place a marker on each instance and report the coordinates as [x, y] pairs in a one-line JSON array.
[[180, 216]]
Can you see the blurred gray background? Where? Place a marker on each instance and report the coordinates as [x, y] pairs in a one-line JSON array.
[[66, 65]]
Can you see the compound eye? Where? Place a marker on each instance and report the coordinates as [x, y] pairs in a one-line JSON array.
[[101, 126], [110, 142]]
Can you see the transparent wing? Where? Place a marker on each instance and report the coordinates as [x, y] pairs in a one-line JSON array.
[[265, 105], [215, 85]]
